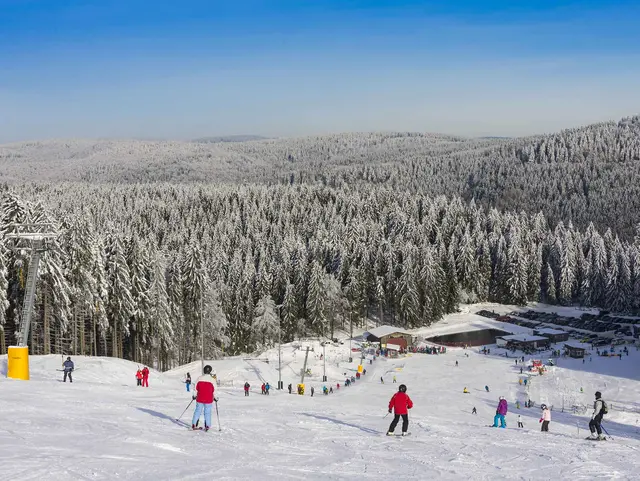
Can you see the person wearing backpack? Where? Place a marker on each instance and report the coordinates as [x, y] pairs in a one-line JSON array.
[[599, 409]]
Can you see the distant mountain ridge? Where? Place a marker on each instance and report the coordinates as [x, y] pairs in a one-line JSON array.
[[230, 138], [583, 175]]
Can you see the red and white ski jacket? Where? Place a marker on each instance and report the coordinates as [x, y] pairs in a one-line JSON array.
[[204, 389]]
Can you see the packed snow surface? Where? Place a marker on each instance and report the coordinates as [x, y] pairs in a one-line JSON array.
[[103, 427]]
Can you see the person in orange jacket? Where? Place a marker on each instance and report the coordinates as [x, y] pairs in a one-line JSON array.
[[400, 403], [139, 377]]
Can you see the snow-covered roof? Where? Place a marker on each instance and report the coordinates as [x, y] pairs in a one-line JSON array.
[[524, 338], [548, 330], [575, 345], [385, 331]]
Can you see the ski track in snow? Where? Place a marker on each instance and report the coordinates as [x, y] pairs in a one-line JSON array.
[[102, 427]]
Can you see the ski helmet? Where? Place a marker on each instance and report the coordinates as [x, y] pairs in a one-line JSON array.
[[207, 369], [402, 388], [500, 398], [543, 406], [69, 358], [598, 394]]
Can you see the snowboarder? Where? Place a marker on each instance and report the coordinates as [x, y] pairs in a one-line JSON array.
[[474, 410], [289, 387], [68, 369], [266, 388], [139, 378], [486, 388], [145, 377], [501, 412], [246, 388], [187, 382], [545, 419], [204, 397], [400, 403], [599, 410], [312, 391], [520, 425], [394, 379]]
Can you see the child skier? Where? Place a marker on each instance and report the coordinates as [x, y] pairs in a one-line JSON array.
[[545, 419], [400, 403], [204, 397], [139, 378], [187, 382], [520, 425], [68, 369], [501, 412]]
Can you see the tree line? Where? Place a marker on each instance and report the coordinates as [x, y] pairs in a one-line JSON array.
[[139, 270]]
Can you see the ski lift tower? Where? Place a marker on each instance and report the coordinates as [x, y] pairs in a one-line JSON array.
[[36, 238]]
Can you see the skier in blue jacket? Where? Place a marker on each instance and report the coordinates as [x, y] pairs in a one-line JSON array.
[[68, 369]]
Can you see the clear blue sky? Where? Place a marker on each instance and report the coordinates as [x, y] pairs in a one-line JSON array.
[[191, 68]]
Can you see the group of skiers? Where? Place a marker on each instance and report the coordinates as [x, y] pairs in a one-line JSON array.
[[142, 377], [600, 408]]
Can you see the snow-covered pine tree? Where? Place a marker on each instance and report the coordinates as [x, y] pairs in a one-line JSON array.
[[120, 307], [266, 323], [161, 337], [317, 300]]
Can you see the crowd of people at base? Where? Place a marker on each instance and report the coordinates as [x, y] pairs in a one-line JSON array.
[[142, 377]]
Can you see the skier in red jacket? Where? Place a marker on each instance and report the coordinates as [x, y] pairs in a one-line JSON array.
[[145, 377], [400, 403], [204, 397]]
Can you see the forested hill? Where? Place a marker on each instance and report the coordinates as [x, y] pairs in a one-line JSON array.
[[583, 175]]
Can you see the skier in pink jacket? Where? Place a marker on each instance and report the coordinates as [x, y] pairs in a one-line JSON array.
[[546, 418], [501, 412]]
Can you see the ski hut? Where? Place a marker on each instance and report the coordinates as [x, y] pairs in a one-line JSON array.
[[554, 335], [574, 350], [390, 336], [522, 341]]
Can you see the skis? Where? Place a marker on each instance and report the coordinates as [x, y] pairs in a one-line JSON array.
[[589, 438], [394, 435]]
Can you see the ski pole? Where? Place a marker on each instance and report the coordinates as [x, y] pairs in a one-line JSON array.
[[185, 410], [218, 416], [606, 432], [385, 415]]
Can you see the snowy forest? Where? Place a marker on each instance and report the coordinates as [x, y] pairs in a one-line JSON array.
[[311, 241]]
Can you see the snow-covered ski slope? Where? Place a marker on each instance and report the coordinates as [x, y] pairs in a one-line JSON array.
[[103, 427]]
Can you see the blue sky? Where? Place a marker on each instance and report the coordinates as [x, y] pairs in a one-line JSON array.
[[140, 69]]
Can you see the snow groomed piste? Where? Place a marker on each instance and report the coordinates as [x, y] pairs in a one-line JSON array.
[[104, 427]]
